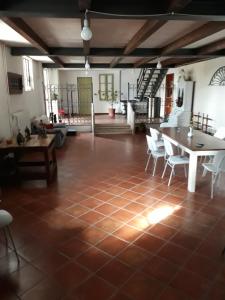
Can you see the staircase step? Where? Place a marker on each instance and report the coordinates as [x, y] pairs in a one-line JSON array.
[[112, 128]]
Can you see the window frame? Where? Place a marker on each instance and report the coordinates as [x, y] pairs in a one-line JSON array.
[[28, 78], [108, 84]]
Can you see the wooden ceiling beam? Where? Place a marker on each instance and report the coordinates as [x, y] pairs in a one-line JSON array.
[[194, 36], [212, 47], [177, 5], [143, 61], [115, 61], [27, 32], [149, 27], [94, 65]]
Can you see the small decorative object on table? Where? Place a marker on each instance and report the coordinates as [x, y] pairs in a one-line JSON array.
[[20, 138], [27, 134], [42, 131]]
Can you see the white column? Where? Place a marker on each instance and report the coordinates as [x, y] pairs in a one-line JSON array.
[[192, 172]]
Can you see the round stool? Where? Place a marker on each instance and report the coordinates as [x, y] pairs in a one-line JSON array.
[[5, 220]]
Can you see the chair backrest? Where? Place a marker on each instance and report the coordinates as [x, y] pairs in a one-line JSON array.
[[154, 134], [168, 147], [220, 133], [218, 160], [151, 144]]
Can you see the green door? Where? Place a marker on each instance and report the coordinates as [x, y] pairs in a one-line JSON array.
[[84, 85]]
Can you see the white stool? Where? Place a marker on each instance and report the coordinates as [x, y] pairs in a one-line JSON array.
[[5, 220]]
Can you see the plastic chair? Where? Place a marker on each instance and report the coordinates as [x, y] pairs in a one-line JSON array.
[[156, 137], [215, 167], [220, 133], [5, 220], [154, 151], [173, 160]]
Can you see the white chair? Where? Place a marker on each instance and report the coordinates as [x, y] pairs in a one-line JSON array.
[[220, 133], [5, 220], [215, 167], [155, 134], [154, 151], [173, 160]]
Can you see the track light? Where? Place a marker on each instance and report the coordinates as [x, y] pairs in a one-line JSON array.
[[159, 65], [86, 33]]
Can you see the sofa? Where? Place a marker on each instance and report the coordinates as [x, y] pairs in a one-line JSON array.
[[59, 129]]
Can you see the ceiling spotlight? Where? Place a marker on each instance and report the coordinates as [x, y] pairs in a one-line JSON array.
[[87, 65], [159, 65], [86, 33]]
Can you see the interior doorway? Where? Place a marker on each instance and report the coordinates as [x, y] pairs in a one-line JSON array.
[[169, 94], [84, 86]]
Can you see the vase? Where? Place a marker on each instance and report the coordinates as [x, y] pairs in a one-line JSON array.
[[112, 112]]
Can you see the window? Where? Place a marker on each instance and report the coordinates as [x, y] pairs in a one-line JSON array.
[[106, 87], [28, 74]]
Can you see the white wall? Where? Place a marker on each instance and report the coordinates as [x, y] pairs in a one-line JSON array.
[[32, 102], [208, 99], [127, 75]]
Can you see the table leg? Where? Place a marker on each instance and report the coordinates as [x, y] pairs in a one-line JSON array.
[[192, 172]]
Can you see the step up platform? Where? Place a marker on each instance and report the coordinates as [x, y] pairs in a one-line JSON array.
[[118, 128]]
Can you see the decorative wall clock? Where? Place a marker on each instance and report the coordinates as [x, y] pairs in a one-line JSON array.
[[218, 77]]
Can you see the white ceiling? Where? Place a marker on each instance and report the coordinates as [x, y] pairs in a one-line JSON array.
[[57, 32], [44, 59], [169, 32], [212, 38], [10, 37]]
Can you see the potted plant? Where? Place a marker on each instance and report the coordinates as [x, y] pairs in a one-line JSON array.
[[113, 100]]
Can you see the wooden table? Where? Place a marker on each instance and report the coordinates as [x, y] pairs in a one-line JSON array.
[[25, 156], [210, 146]]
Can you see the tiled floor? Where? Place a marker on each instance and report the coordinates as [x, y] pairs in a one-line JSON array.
[[107, 230]]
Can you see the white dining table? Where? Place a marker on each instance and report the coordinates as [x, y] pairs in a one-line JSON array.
[[200, 144]]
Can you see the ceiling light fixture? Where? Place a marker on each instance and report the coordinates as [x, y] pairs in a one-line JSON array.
[[86, 33], [159, 65], [87, 65]]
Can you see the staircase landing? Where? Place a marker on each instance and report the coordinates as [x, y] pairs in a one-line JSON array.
[[113, 128]]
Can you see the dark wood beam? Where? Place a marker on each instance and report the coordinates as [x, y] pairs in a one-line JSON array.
[[197, 34], [115, 61], [210, 10], [84, 4], [192, 61], [212, 47], [177, 5], [94, 65], [142, 34], [57, 60], [25, 31]]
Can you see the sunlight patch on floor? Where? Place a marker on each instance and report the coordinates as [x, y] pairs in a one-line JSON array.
[[161, 213]]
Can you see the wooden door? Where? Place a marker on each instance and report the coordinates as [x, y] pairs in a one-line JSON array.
[[84, 86], [169, 93]]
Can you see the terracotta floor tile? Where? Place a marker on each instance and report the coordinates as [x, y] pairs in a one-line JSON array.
[[160, 268], [92, 217], [26, 278], [104, 196], [56, 226], [70, 276], [174, 254], [73, 248], [127, 233], [134, 256], [94, 288], [44, 290], [106, 209], [108, 224], [142, 287], [77, 210], [193, 285], [93, 259], [119, 201], [135, 207], [162, 231], [122, 215], [115, 272], [149, 243], [112, 245], [173, 294], [91, 202], [92, 235]]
